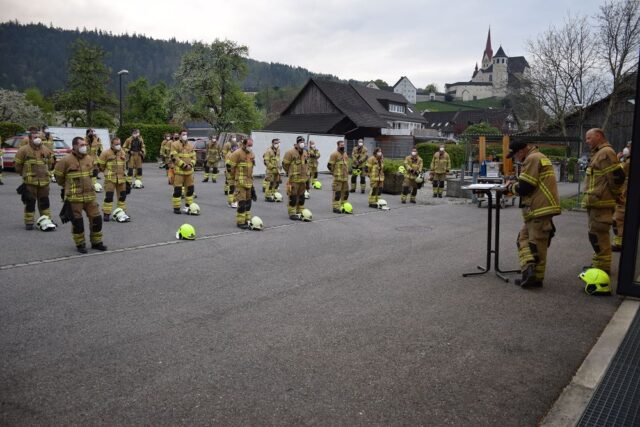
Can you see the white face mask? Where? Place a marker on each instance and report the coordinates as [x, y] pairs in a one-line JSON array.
[[360, 144], [136, 135], [441, 149], [117, 147], [312, 145], [233, 140], [37, 141], [625, 152], [82, 150], [301, 145], [414, 153], [249, 149], [379, 154], [183, 137]]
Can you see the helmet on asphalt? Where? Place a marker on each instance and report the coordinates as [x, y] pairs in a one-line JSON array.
[[346, 208], [596, 282], [317, 184], [255, 223], [357, 172], [44, 223], [419, 179], [306, 194], [186, 232], [277, 197], [402, 170], [306, 215], [119, 215], [194, 209], [137, 184], [382, 204], [97, 187]]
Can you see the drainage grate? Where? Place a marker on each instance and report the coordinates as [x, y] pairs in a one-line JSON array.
[[616, 401]]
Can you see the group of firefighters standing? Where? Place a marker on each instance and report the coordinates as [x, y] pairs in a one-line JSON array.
[[77, 175]]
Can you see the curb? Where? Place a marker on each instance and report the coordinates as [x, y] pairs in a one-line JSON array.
[[568, 408]]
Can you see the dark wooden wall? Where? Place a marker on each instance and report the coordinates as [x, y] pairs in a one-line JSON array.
[[312, 100]]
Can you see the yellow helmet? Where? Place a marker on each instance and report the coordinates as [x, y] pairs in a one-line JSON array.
[[402, 170], [596, 281], [346, 208], [186, 232], [317, 185]]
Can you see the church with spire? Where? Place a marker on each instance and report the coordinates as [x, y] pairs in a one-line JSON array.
[[497, 76]]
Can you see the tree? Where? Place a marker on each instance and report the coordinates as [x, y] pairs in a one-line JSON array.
[[274, 100], [87, 84], [35, 97], [431, 87], [146, 103], [15, 108], [482, 128], [619, 40], [565, 75], [208, 86], [381, 84]]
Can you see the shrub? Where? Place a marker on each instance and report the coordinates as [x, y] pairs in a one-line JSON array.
[[152, 135], [391, 166], [426, 150], [557, 152], [8, 129]]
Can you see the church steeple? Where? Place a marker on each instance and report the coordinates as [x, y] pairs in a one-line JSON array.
[[488, 52]]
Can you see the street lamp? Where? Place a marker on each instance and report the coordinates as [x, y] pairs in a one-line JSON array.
[[578, 204], [120, 74]]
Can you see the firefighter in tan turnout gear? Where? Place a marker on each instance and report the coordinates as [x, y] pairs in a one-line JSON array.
[[212, 158], [296, 166], [440, 166], [314, 156], [540, 202], [183, 157], [112, 164], [73, 173], [94, 145], [375, 170], [228, 147], [32, 163], [240, 167], [135, 150], [413, 167], [618, 215], [272, 164], [338, 165], [359, 157], [229, 184], [603, 188]]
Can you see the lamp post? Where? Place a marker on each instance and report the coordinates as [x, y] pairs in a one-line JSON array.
[[120, 74], [578, 204]]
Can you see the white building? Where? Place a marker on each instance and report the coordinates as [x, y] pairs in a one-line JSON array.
[[406, 88]]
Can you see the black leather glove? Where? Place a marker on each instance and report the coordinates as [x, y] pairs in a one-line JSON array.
[[127, 187], [254, 196], [62, 194]]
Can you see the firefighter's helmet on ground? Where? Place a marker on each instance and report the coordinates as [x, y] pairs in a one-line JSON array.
[[596, 281], [346, 208], [382, 204], [317, 185], [137, 184], [44, 223], [119, 215], [97, 187], [194, 209], [277, 197], [306, 215], [255, 223], [186, 232]]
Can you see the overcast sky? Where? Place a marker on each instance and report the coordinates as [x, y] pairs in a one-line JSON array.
[[426, 40]]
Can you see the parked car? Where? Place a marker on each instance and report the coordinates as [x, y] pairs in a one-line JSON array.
[[200, 145], [11, 146]]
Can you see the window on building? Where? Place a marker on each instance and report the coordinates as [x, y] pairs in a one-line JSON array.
[[396, 108], [475, 98]]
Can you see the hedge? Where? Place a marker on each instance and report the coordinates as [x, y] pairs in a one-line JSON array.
[[391, 166], [8, 129], [426, 150], [152, 135]]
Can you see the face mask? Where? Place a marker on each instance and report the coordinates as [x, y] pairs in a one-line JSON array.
[[625, 152], [301, 146], [378, 154], [360, 144], [276, 146], [414, 153], [183, 137], [441, 149], [248, 149], [136, 135], [313, 146], [117, 147], [233, 140], [37, 141], [82, 150]]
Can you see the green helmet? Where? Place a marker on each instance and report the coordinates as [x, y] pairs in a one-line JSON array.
[[357, 172], [317, 184], [596, 282], [402, 170], [306, 215], [255, 223], [186, 232], [346, 208]]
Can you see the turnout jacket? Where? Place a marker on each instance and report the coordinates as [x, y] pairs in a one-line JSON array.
[[32, 163], [375, 166], [440, 163], [413, 166], [73, 172], [359, 157], [604, 178], [132, 145], [240, 166], [537, 186], [113, 164], [339, 166], [183, 154], [271, 159], [295, 165]]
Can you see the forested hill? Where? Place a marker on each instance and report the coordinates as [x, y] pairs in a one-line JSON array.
[[36, 55]]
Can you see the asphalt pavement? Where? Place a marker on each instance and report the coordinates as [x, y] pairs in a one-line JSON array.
[[358, 319]]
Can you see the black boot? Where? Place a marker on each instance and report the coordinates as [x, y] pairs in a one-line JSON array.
[[28, 226], [105, 217], [528, 278], [353, 190], [336, 211], [81, 249], [177, 211], [205, 180], [99, 246]]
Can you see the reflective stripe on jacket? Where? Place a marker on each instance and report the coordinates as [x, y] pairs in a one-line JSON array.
[[295, 165], [241, 164], [440, 163], [537, 171], [339, 166], [32, 163], [113, 164], [183, 154], [74, 174], [604, 178], [376, 168]]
